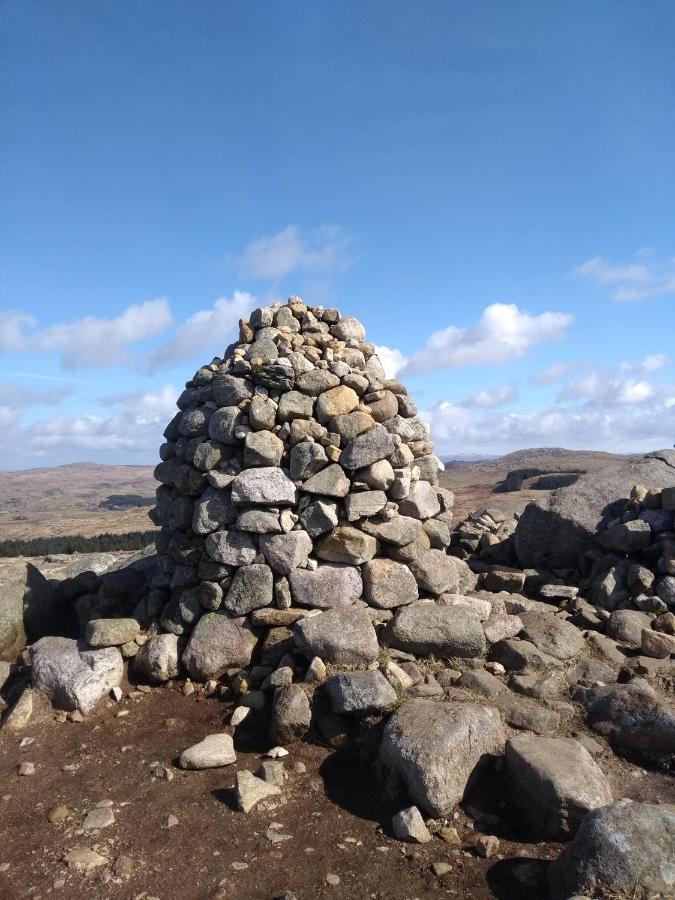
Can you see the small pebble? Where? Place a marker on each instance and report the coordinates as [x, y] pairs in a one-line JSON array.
[[441, 868], [487, 845], [171, 822], [332, 879], [26, 768], [58, 814]]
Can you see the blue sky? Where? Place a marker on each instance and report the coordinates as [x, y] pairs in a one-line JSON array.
[[488, 186]]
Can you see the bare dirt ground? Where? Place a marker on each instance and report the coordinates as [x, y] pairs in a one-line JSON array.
[[337, 814]]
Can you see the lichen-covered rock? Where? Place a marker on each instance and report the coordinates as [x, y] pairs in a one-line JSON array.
[[217, 643], [343, 637], [426, 629]]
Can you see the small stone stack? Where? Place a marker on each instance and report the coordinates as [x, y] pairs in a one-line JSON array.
[[295, 474]]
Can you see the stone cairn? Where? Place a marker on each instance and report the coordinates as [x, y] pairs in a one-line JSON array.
[[296, 478]]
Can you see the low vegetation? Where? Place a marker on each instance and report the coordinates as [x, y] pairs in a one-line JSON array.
[[76, 543]]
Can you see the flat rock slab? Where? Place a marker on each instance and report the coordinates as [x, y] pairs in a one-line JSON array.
[[266, 486], [215, 750], [552, 635], [344, 637], [555, 782], [630, 717], [327, 586], [437, 749], [110, 632], [621, 850], [521, 712], [425, 629], [360, 693], [217, 643], [72, 680], [250, 790]]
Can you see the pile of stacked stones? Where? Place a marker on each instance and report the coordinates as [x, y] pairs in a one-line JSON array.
[[296, 478]]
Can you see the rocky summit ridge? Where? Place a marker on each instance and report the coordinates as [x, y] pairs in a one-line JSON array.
[[307, 575]]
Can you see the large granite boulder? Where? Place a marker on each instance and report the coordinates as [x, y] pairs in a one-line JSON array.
[[28, 608]]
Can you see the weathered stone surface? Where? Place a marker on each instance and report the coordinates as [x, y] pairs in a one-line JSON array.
[[213, 751], [399, 530], [316, 382], [526, 714], [252, 587], [218, 643], [630, 717], [294, 405], [265, 486], [338, 401], [258, 521], [437, 749], [425, 629], [330, 482], [70, 680], [656, 644], [233, 548], [360, 693], [554, 533], [379, 476], [262, 448], [250, 790], [343, 637], [369, 447], [326, 587], [285, 552], [388, 584], [408, 825], [517, 654], [28, 608], [627, 537], [213, 510], [435, 572], [223, 423], [481, 682], [157, 660], [552, 635], [291, 715], [17, 717], [624, 849], [318, 517], [626, 625], [110, 632], [262, 413], [555, 782], [306, 459], [230, 391], [351, 425], [364, 503], [421, 502], [346, 544], [347, 328]]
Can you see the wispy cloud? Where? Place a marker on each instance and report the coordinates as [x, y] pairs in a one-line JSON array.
[[90, 342], [639, 279], [554, 373], [503, 333], [206, 331], [17, 396], [275, 256], [489, 399]]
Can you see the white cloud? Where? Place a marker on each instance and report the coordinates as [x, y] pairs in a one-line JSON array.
[[208, 330], [554, 373], [488, 399], [392, 360], [274, 256], [635, 280], [132, 431], [503, 333], [16, 396], [458, 430], [90, 342]]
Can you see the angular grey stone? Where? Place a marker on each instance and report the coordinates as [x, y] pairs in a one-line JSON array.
[[218, 643], [408, 429], [517, 654], [70, 680], [294, 405], [627, 537], [555, 782], [375, 444], [259, 521], [421, 502], [347, 328], [227, 390], [110, 632], [388, 584], [408, 825], [223, 424], [316, 382], [330, 482], [435, 572], [319, 517], [285, 552], [438, 532], [626, 625], [425, 629], [291, 715], [552, 635], [360, 693], [630, 717], [263, 350], [266, 486], [327, 586], [28, 608], [262, 413], [343, 637], [213, 751], [365, 503], [194, 422], [212, 511], [378, 476], [346, 544], [527, 714], [250, 790], [624, 849], [232, 548], [306, 459], [352, 424], [399, 530], [207, 455], [481, 682], [252, 587], [438, 749], [157, 660], [262, 448]]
